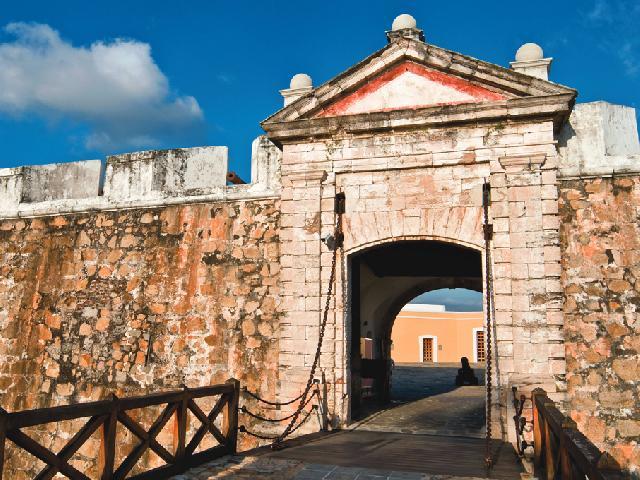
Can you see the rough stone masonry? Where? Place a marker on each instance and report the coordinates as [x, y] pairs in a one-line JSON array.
[[159, 274]]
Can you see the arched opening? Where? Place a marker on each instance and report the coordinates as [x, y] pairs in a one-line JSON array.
[[384, 279]]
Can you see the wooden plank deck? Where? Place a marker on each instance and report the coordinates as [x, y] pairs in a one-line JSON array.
[[436, 455]]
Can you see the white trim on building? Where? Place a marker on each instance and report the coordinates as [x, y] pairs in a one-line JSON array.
[[422, 307], [475, 342]]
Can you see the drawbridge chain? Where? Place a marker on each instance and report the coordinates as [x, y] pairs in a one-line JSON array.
[[273, 404], [488, 236], [244, 429], [245, 410], [336, 243]]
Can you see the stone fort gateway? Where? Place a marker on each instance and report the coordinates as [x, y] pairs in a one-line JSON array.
[[416, 169]]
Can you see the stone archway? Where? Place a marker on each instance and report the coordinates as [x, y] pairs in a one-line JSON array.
[[383, 278]]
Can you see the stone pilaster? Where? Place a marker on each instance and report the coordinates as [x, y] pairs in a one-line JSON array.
[[526, 256], [302, 283]]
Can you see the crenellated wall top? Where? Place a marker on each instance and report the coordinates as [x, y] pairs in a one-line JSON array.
[[138, 179]]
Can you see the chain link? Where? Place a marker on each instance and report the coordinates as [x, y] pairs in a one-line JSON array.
[[244, 409], [273, 404], [338, 236], [244, 429]]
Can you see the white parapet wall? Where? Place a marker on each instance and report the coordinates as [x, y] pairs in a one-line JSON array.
[[56, 181], [140, 179], [158, 174], [10, 188], [600, 139], [265, 163]]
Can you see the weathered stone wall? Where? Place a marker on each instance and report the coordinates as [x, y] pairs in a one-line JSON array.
[[426, 184], [138, 301], [600, 236]]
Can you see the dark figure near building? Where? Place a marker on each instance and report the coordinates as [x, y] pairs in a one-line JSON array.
[[465, 374]]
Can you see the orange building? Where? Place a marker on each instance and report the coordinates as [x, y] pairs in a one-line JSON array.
[[428, 333]]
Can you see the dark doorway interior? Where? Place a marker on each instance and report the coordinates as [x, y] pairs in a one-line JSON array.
[[383, 280]]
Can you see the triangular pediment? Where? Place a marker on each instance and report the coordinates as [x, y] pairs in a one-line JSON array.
[[409, 85], [409, 75]]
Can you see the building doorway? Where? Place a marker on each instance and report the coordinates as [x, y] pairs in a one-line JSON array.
[[400, 352], [426, 343]]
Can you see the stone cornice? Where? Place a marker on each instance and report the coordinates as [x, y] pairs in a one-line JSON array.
[[487, 75], [233, 193], [305, 176], [549, 107], [521, 163]]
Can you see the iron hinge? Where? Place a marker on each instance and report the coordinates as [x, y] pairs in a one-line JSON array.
[[339, 206]]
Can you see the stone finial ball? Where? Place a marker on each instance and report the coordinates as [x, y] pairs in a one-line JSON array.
[[403, 21], [300, 80], [529, 52]]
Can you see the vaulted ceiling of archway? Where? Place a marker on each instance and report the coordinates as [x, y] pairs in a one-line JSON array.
[[422, 259]]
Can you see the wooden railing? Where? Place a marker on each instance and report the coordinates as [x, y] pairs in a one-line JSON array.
[[563, 452], [103, 416]]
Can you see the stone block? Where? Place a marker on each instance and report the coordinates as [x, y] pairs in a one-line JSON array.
[[73, 180], [11, 181], [158, 174], [266, 159], [57, 181], [600, 138], [549, 192]]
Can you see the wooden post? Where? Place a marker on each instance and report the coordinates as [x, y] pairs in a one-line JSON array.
[[549, 454], [537, 429], [107, 452], [230, 418], [3, 436], [180, 426], [566, 467]]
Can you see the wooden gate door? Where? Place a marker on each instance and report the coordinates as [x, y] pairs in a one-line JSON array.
[[427, 349]]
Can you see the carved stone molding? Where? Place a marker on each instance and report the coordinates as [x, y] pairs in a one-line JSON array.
[[298, 177], [523, 163]]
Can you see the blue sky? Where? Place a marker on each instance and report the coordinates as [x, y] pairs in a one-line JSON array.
[[79, 80], [454, 299]]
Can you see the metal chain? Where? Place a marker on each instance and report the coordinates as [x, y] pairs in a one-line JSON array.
[[346, 312], [274, 404], [244, 429], [244, 409], [338, 237], [488, 235]]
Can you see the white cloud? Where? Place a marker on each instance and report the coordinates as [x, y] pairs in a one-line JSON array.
[[628, 54], [225, 78], [617, 24], [601, 12], [114, 87]]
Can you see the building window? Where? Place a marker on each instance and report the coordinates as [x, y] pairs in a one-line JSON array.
[[479, 345]]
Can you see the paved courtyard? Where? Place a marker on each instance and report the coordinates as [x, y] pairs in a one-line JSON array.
[[425, 400]]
